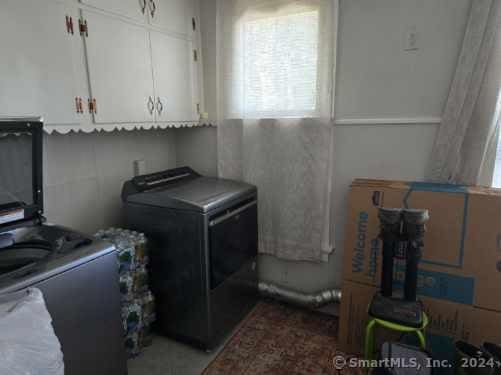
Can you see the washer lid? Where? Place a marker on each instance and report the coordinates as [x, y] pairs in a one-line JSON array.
[[21, 190], [200, 194]]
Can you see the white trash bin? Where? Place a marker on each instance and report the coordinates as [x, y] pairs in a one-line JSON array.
[[28, 343]]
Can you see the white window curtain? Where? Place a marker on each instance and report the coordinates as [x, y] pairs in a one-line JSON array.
[[465, 147], [276, 70]]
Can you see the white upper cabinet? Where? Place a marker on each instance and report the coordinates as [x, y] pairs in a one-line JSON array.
[[120, 71], [173, 77], [99, 63], [37, 69], [171, 15], [134, 9]]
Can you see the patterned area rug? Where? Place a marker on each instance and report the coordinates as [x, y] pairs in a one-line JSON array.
[[280, 339]]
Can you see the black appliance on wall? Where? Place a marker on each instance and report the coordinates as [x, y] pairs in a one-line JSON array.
[[77, 275], [203, 239]]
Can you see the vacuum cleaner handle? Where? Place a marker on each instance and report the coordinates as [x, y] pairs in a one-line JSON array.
[[390, 219]]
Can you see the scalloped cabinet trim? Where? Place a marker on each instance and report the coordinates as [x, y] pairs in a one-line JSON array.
[[61, 129]]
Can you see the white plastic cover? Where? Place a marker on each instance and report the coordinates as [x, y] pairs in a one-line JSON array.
[[28, 343]]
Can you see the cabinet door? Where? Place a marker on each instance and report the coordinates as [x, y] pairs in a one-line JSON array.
[[171, 15], [119, 65], [36, 69], [172, 70], [135, 9]]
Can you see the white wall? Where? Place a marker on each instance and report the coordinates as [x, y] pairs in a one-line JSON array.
[[197, 148], [381, 151], [376, 77], [84, 173], [377, 81]]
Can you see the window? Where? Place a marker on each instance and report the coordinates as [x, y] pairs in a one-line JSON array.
[[492, 87], [496, 180], [276, 58], [280, 63]]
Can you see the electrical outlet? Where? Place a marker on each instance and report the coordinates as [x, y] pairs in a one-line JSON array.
[[139, 167]]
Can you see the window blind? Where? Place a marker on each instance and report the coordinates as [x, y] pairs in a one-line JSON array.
[[279, 65]]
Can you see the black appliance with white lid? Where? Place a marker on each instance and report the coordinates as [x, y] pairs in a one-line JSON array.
[[77, 275], [203, 247]]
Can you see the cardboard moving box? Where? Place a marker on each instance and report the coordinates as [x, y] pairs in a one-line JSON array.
[[462, 256], [459, 276]]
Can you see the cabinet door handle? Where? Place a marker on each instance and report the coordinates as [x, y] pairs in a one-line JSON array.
[[160, 106], [151, 105], [143, 6], [153, 7]]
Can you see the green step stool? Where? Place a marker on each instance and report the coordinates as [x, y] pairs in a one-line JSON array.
[[396, 315]]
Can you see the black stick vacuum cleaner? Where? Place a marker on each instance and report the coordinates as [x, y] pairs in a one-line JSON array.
[[401, 229]]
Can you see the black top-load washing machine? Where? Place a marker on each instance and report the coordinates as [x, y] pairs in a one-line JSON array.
[[203, 246], [77, 275]]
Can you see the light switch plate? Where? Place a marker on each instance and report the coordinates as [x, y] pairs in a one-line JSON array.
[[411, 42]]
